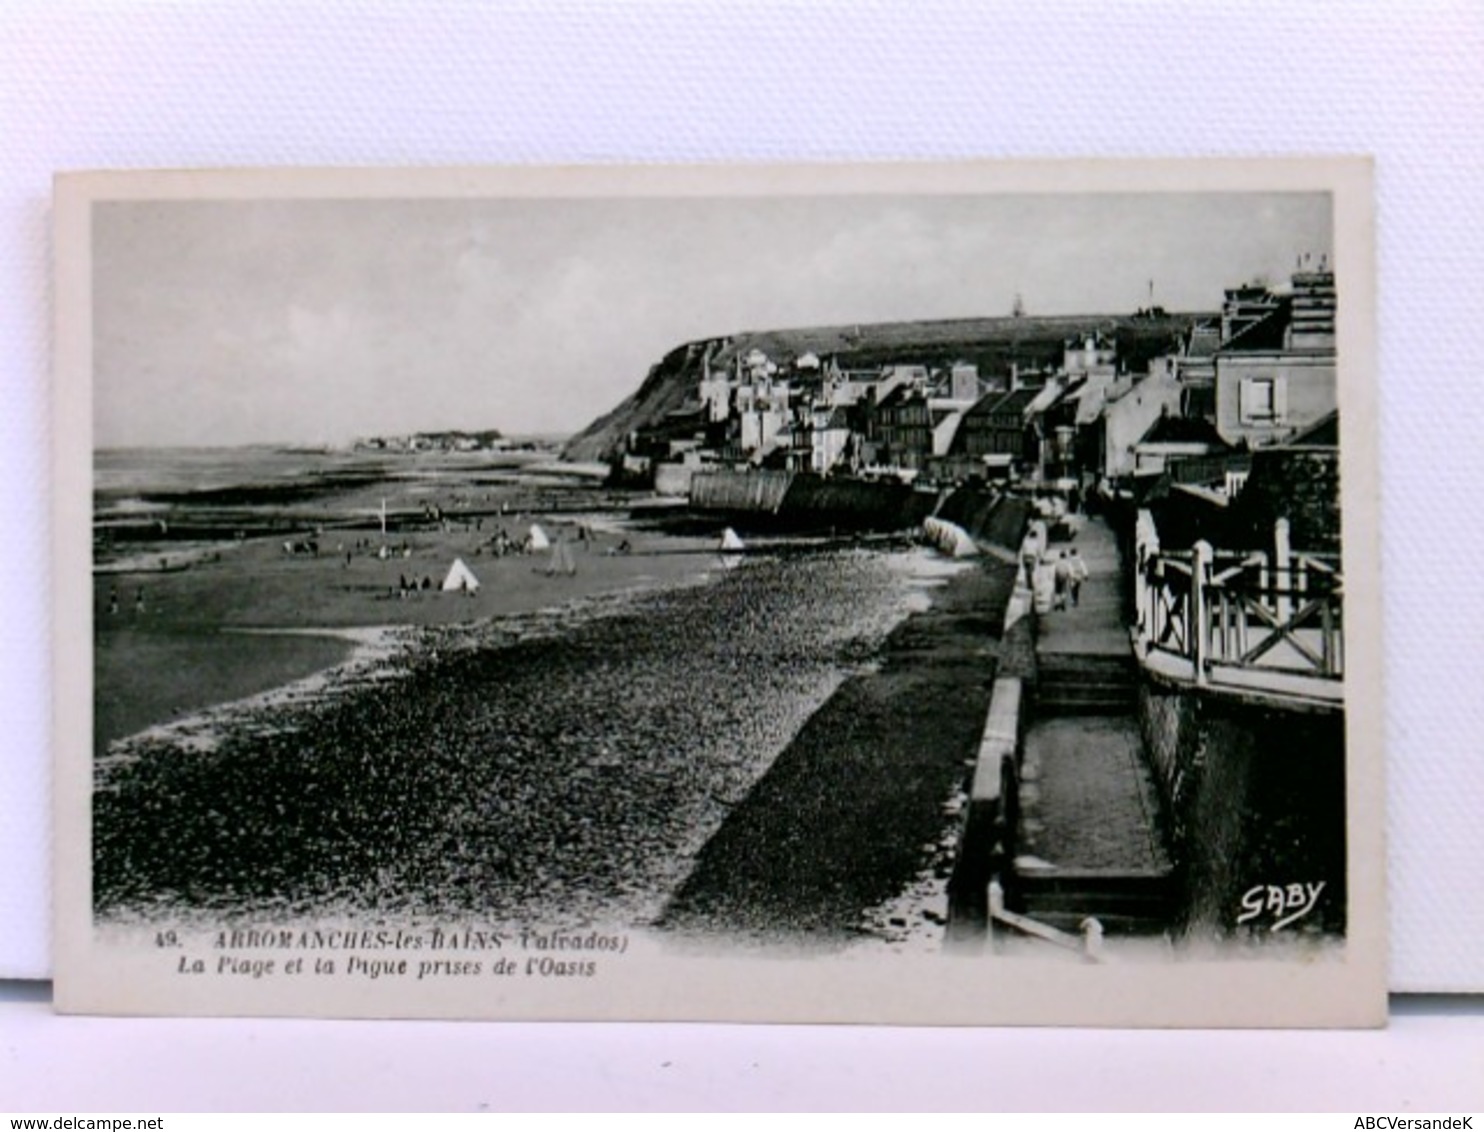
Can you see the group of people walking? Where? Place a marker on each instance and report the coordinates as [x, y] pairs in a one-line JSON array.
[[1068, 572], [1055, 577]]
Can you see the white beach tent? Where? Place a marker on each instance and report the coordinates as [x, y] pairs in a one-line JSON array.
[[460, 577], [539, 541], [730, 540]]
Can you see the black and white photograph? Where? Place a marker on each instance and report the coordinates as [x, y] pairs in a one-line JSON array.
[[900, 594]]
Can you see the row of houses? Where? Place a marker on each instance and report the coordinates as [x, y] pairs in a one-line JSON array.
[[1261, 372], [452, 441]]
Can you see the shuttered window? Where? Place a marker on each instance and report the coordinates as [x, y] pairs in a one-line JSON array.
[[1262, 400]]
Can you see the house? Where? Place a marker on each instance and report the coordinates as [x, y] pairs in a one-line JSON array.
[[1277, 375], [1049, 418], [830, 434], [1090, 354], [963, 382], [946, 419], [763, 429], [996, 425], [1195, 367], [1171, 439], [841, 386], [1130, 409], [1245, 306], [901, 425]]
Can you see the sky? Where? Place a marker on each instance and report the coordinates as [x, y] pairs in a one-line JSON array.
[[316, 322]]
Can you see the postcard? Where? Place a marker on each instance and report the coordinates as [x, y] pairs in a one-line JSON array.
[[915, 594]]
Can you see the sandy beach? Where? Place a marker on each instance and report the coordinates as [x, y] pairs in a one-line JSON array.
[[168, 615]]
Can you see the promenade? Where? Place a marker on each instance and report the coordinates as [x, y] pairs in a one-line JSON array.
[[1095, 627], [1088, 805]]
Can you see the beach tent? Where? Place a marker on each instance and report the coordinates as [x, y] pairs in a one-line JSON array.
[[730, 541], [539, 541], [460, 577]]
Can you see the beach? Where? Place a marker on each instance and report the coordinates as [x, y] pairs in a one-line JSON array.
[[294, 736], [178, 619]]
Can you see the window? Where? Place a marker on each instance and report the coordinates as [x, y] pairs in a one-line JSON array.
[[1261, 400]]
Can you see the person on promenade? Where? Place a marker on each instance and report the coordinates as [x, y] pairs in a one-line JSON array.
[[1043, 585], [1028, 559], [1031, 550], [1063, 579], [1076, 574]]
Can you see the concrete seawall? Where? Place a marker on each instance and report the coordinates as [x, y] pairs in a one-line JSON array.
[[834, 835], [989, 818], [989, 517], [752, 492], [800, 500], [986, 841]]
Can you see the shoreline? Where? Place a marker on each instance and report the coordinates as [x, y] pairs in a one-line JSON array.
[[161, 649]]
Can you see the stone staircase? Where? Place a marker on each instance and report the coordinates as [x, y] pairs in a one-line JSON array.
[[1079, 772], [1125, 902], [1086, 684]]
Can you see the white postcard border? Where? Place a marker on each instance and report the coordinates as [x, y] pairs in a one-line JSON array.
[[650, 983]]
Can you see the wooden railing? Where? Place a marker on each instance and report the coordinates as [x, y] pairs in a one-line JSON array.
[[1250, 621]]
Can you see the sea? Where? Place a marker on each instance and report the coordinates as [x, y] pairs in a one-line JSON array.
[[126, 477]]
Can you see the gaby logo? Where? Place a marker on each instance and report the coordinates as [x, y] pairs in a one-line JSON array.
[[1287, 903]]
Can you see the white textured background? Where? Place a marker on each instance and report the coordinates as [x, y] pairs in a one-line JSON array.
[[335, 83]]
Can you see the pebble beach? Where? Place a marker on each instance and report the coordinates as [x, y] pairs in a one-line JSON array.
[[645, 743]]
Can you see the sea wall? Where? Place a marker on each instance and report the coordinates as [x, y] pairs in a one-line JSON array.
[[969, 508], [799, 499], [1006, 524], [802, 500], [1253, 796], [750, 492], [986, 841], [988, 516]]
